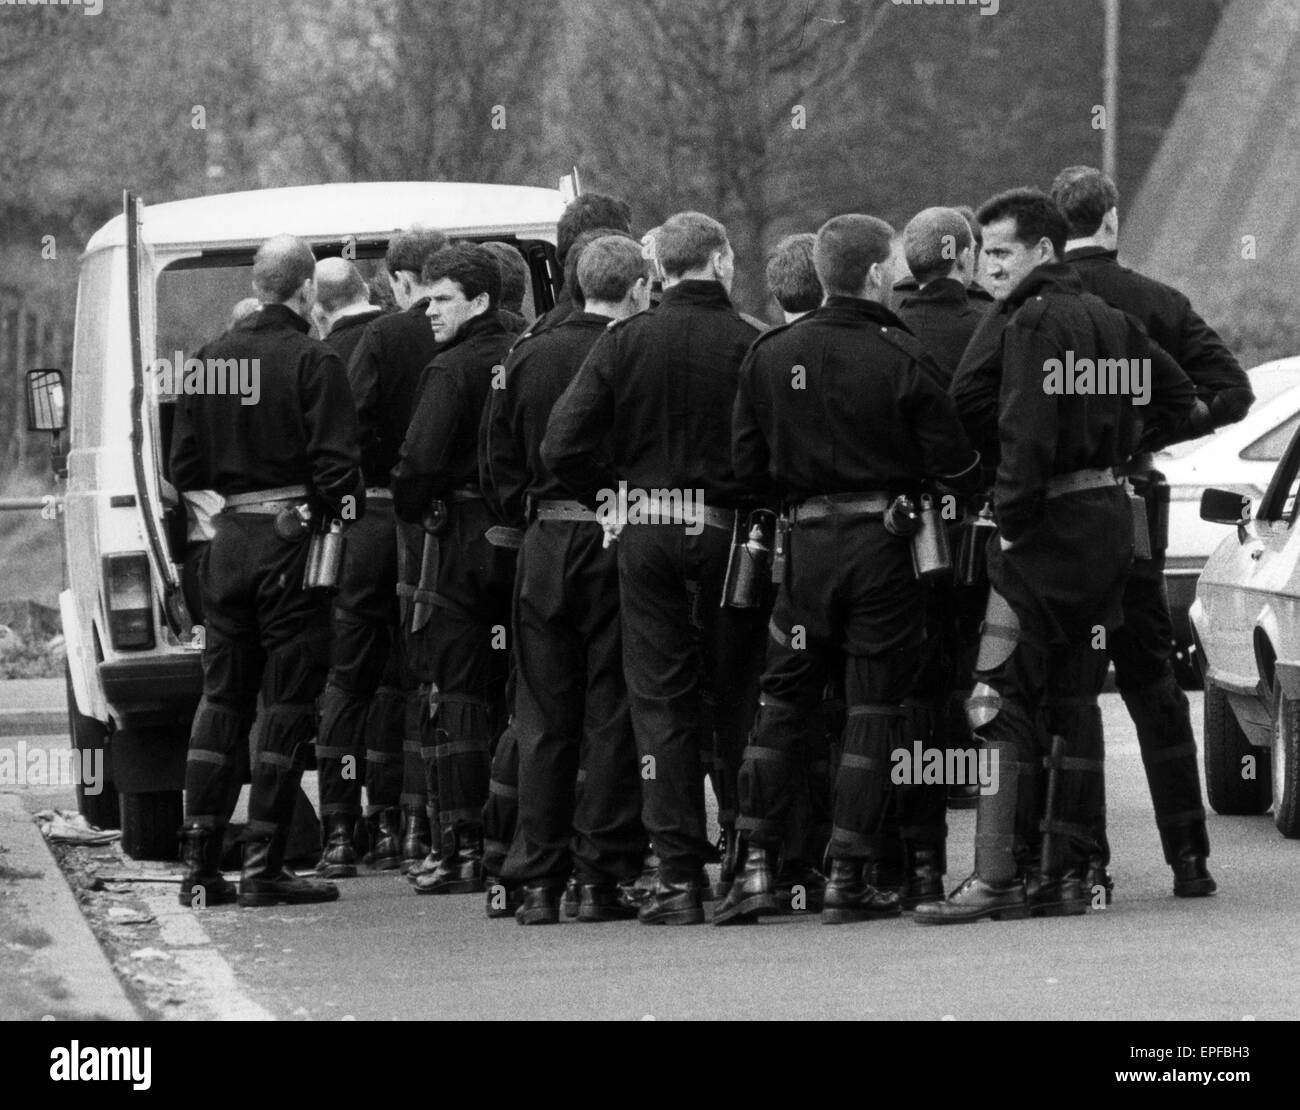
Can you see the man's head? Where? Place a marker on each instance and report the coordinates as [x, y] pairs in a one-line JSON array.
[[1089, 201], [514, 275], [339, 286], [614, 277], [1023, 229], [938, 244], [691, 245], [792, 277], [284, 272], [408, 251], [463, 281], [852, 257], [587, 211], [571, 282]]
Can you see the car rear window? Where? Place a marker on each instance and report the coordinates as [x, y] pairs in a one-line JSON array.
[[1268, 383]]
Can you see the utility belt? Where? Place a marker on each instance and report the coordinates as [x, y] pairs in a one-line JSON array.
[[838, 504], [1078, 480], [378, 493], [293, 522], [1150, 527], [264, 502], [666, 512], [436, 520], [561, 510]]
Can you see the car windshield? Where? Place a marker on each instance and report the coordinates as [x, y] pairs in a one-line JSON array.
[[1269, 382]]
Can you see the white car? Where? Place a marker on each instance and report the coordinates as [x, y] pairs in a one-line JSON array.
[[154, 281], [1246, 620], [1240, 458]]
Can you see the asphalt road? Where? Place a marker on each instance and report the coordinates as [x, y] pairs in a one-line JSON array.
[[382, 952]]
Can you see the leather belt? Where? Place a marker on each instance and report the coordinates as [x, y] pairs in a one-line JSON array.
[[839, 504], [668, 513], [458, 495], [264, 501], [378, 493], [1078, 480], [563, 510]]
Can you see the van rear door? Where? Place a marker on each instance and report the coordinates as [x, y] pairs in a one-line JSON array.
[[146, 439]]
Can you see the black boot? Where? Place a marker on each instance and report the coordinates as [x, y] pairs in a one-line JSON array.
[[416, 841], [502, 898], [975, 900], [265, 881], [339, 860], [849, 897], [752, 891], [605, 902], [571, 897], [460, 868], [799, 888], [385, 852], [922, 874], [729, 850], [203, 884], [1186, 849], [675, 902], [539, 905], [1067, 894]]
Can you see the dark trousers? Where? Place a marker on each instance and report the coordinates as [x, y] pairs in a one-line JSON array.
[[571, 713], [262, 631], [679, 648], [357, 722], [1141, 651], [412, 670], [463, 653], [849, 596]]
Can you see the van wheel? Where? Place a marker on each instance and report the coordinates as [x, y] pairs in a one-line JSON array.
[[150, 824], [1286, 765], [1228, 783], [89, 734]]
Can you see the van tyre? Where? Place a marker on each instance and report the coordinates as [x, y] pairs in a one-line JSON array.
[[88, 734], [1286, 765], [149, 824], [1226, 747]]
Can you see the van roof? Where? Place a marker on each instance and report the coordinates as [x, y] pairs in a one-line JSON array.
[[364, 209]]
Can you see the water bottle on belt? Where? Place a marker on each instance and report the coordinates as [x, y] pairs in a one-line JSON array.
[[325, 559]]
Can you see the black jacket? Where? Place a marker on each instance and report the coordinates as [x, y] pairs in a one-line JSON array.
[[943, 317], [302, 430], [347, 332], [1171, 321], [440, 451], [844, 400], [385, 373], [661, 385], [1044, 433], [538, 370]]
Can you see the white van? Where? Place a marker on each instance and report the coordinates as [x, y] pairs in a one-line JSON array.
[[154, 281]]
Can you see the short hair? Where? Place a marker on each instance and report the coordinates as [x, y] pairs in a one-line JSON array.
[[514, 274], [609, 267], [933, 241], [1084, 195], [243, 309], [847, 247], [791, 275], [472, 267], [587, 211], [685, 241], [1035, 213], [968, 214], [338, 284], [410, 249], [571, 282], [280, 266]]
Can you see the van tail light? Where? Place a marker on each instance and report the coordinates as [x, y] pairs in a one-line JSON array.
[[129, 596]]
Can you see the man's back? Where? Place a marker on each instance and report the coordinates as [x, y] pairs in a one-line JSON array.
[[943, 318], [348, 330]]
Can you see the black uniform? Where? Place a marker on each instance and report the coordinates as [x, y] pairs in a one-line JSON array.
[[462, 653], [362, 708], [1141, 648], [866, 420], [571, 709], [385, 372], [651, 407], [262, 629], [943, 317], [1065, 546]]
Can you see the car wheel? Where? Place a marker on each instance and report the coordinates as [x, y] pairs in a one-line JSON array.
[[1229, 756], [150, 824], [1286, 765], [89, 734]]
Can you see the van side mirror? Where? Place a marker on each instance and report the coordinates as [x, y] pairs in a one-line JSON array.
[[1221, 506], [45, 401]]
